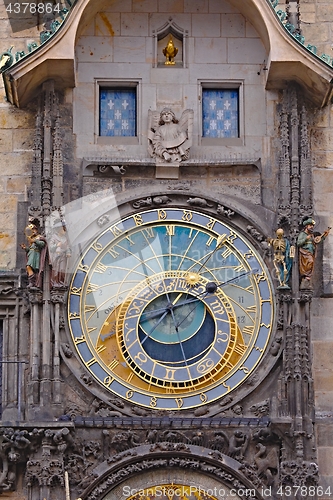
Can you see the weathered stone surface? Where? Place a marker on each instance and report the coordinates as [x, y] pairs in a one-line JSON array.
[[6, 141], [18, 185]]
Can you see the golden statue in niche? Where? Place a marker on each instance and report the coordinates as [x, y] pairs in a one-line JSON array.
[[170, 52]]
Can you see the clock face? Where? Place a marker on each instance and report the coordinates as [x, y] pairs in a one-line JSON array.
[[170, 308]]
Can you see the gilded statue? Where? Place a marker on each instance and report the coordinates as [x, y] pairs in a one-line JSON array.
[[307, 243], [35, 250], [170, 52]]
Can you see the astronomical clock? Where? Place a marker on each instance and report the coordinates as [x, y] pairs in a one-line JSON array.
[[170, 308]]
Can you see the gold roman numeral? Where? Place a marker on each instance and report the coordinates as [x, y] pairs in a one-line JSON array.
[[100, 268], [114, 363], [226, 253], [240, 349], [170, 230], [248, 330], [149, 232], [91, 362], [210, 241], [92, 287], [113, 253]]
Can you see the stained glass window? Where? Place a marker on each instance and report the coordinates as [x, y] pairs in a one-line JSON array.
[[220, 113], [117, 112]]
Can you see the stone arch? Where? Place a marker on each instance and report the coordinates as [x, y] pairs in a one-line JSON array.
[[171, 463]]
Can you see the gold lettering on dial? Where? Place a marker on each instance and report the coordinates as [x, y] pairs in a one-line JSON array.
[[205, 365], [203, 397], [210, 241], [89, 308], [162, 215], [179, 402], [260, 277], [248, 329], [222, 336], [226, 253], [239, 268], [187, 215], [153, 402], [129, 394], [78, 340], [92, 287], [210, 224], [138, 219], [100, 268], [97, 246], [141, 358], [108, 381], [149, 232], [114, 363], [113, 253], [170, 374], [116, 231], [217, 307], [128, 238], [170, 230], [91, 362], [83, 267], [73, 315], [240, 349]]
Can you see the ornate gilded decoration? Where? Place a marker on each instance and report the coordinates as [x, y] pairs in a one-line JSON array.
[[170, 52], [138, 333]]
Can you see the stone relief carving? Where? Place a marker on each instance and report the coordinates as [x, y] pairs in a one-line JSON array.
[[149, 201], [227, 212], [169, 139], [260, 409], [199, 202]]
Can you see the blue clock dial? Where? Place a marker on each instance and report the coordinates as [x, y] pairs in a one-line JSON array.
[[170, 308]]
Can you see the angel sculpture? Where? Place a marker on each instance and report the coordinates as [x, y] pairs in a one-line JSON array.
[[169, 139]]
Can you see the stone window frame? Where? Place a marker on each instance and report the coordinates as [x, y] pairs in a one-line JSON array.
[[117, 83], [227, 85]]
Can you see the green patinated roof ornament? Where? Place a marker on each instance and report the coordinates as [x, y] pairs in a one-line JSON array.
[[7, 59], [292, 30]]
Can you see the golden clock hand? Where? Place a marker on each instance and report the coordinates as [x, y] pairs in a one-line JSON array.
[[219, 244], [211, 287], [157, 312]]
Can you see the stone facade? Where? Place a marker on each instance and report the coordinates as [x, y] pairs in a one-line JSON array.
[[59, 425]]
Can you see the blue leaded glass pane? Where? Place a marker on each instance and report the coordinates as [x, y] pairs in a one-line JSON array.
[[220, 113], [117, 112]]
